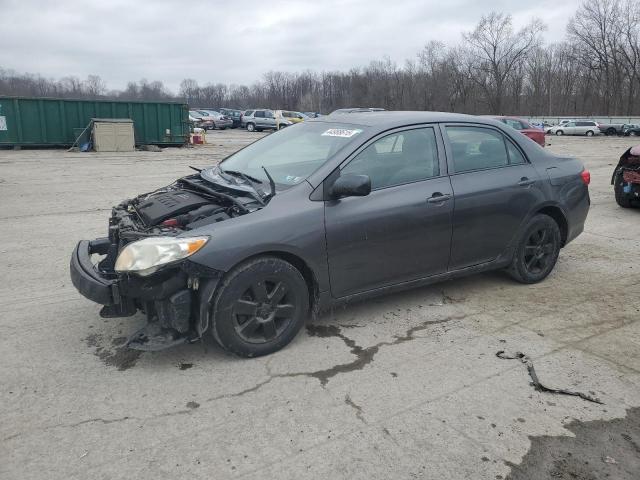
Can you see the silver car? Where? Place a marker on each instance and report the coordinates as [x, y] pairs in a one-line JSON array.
[[576, 127], [262, 119], [218, 120]]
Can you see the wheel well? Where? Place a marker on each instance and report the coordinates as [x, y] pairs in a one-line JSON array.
[[558, 216], [303, 268]]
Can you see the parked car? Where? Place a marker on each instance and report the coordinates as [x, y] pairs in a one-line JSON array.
[[611, 128], [203, 120], [263, 119], [218, 120], [561, 123], [578, 127], [328, 211], [631, 130], [357, 110], [293, 117], [525, 128], [194, 121], [234, 114], [312, 114], [626, 178]]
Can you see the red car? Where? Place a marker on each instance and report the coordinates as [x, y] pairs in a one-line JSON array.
[[524, 127]]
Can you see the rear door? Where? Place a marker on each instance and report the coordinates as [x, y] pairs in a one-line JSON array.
[[258, 116], [401, 231], [495, 188]]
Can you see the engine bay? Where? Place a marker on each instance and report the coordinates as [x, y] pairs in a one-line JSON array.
[[189, 203]]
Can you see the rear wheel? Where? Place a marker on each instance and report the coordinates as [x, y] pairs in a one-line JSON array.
[[622, 199], [260, 307], [589, 133], [538, 250]]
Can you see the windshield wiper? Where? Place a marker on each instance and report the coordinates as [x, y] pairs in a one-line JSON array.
[[241, 175], [250, 181], [272, 184]]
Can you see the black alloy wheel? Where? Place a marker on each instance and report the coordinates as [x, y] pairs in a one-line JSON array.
[[259, 307], [537, 251], [263, 311]]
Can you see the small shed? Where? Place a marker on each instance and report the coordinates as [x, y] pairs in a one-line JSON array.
[[113, 135]]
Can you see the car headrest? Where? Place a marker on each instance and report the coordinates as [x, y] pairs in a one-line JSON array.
[[492, 147], [415, 144]]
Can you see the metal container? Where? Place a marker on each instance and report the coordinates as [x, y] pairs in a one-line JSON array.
[[55, 122]]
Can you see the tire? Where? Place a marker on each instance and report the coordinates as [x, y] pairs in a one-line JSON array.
[[611, 131], [559, 133], [260, 306], [537, 251], [622, 199], [280, 127], [589, 133], [251, 127]]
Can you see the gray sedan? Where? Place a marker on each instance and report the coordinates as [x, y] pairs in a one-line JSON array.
[[327, 211]]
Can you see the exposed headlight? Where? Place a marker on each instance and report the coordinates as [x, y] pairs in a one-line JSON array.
[[145, 256]]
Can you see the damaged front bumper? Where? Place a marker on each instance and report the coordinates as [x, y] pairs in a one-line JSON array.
[[174, 299]]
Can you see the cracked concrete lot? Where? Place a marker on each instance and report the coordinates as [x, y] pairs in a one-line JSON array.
[[403, 386]]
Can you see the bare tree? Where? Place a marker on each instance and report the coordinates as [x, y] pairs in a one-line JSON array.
[[495, 51]]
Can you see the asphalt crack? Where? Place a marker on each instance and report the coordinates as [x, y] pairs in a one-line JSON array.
[[356, 407]]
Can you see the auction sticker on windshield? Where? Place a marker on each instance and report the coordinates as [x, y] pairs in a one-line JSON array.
[[341, 132]]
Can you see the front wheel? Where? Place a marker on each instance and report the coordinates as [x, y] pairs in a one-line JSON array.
[[537, 251], [251, 127], [260, 307], [559, 133]]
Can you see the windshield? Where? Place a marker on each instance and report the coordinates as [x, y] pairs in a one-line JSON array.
[[292, 154]]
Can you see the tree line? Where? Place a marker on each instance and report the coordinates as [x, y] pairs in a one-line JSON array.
[[495, 69]]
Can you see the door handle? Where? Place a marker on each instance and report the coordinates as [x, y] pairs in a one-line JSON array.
[[525, 182], [438, 198]]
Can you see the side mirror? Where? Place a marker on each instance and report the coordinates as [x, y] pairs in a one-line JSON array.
[[351, 186]]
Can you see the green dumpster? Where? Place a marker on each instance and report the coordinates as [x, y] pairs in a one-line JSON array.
[[55, 122]]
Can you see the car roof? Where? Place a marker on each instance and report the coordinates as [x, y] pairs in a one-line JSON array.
[[392, 119]]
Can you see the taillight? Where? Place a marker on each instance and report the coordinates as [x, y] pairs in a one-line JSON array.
[[586, 177]]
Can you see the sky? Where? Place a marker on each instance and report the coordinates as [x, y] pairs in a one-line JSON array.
[[236, 42]]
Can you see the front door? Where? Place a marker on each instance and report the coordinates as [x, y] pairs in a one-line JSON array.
[[495, 188], [401, 231]]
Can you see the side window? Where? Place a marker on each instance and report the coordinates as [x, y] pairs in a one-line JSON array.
[[403, 157], [476, 148], [259, 114], [248, 113], [515, 156]]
